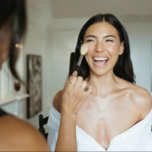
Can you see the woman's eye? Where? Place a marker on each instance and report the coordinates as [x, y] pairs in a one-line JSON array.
[[90, 40], [109, 40]]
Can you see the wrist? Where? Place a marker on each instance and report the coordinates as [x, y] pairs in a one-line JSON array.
[[69, 116]]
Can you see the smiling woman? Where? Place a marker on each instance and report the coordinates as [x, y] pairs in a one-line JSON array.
[[117, 115], [105, 38], [123, 67]]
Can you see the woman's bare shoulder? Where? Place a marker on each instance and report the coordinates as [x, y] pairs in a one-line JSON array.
[[141, 99], [56, 101], [18, 135]]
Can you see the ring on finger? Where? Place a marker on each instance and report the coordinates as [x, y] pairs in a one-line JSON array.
[[89, 91], [72, 83], [83, 87], [86, 89]]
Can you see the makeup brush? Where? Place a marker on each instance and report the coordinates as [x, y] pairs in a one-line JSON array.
[[84, 49]]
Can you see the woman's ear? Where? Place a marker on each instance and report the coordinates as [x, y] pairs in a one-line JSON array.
[[121, 48]]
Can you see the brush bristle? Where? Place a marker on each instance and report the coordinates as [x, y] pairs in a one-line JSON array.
[[84, 48]]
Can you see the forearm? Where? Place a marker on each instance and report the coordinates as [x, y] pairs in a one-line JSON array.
[[67, 134]]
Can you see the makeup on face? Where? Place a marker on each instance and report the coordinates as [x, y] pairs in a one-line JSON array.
[[104, 45], [106, 40]]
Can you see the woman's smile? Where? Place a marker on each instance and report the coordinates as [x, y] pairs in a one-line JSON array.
[[100, 61]]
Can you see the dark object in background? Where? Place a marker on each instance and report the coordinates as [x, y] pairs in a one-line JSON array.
[[17, 86], [72, 63], [42, 122], [34, 83]]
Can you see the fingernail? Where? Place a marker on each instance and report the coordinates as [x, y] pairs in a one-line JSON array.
[[75, 72]]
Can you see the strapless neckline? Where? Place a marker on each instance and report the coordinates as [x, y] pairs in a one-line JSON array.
[[131, 129]]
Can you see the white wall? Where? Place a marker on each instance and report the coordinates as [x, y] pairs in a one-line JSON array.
[[140, 35], [64, 33], [35, 44]]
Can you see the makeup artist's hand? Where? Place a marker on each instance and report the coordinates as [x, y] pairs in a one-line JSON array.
[[73, 94]]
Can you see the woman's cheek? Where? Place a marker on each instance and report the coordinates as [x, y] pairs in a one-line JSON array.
[[113, 49], [88, 56]]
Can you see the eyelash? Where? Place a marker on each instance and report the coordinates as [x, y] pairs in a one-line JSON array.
[[90, 40], [94, 41], [109, 40]]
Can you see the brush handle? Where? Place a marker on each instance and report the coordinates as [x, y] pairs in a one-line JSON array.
[[79, 63], [80, 60], [77, 68]]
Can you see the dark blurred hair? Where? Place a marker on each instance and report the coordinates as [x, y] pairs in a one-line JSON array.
[[123, 67], [13, 19]]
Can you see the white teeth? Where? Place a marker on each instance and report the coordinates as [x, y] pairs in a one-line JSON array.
[[100, 59]]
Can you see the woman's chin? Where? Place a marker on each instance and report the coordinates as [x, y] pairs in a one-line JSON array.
[[99, 72]]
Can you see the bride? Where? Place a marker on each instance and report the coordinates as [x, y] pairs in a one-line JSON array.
[[117, 113]]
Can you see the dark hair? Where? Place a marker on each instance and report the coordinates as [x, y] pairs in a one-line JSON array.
[[123, 67], [13, 19]]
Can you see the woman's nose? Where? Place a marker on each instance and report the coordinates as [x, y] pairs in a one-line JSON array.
[[99, 47]]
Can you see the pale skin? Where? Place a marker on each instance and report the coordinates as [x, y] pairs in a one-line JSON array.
[[17, 135], [115, 104]]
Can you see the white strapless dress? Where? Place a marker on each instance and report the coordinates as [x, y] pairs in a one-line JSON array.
[[136, 138]]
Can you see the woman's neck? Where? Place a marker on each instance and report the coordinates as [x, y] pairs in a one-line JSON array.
[[103, 84]]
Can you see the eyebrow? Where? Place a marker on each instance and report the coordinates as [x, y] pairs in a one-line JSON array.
[[103, 37], [110, 36], [91, 36]]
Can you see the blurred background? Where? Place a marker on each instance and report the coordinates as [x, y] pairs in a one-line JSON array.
[[53, 28]]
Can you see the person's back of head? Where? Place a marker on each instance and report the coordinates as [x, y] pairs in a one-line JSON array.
[[12, 29]]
